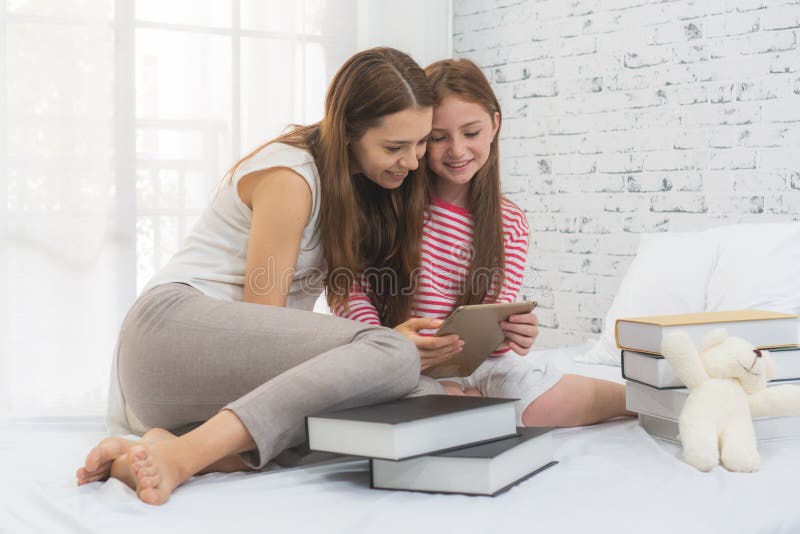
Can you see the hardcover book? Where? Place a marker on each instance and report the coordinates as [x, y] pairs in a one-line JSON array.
[[487, 469], [764, 329], [655, 370], [767, 428], [664, 403], [411, 427]]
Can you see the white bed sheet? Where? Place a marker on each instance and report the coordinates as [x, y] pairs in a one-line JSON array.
[[611, 477]]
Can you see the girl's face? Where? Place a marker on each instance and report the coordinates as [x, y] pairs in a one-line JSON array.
[[386, 153], [461, 139]]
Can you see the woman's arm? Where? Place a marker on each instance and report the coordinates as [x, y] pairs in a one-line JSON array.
[[281, 203]]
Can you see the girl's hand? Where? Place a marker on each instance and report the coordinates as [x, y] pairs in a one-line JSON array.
[[521, 332], [432, 350]]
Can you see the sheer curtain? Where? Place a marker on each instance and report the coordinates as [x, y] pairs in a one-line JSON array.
[[118, 120]]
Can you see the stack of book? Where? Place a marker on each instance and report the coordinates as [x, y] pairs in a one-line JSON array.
[[655, 392], [437, 443]]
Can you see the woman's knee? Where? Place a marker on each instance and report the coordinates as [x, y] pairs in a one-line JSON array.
[[398, 357]]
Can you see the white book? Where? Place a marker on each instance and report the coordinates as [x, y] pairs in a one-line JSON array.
[[654, 370], [665, 403], [767, 428], [411, 427], [764, 329], [486, 469]]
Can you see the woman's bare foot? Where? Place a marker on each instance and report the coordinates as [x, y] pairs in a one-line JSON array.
[[101, 460], [157, 470], [161, 462], [132, 463]]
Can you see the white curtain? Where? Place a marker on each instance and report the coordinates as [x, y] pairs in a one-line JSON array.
[[118, 119]]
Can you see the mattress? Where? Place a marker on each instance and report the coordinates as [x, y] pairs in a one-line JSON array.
[[611, 477]]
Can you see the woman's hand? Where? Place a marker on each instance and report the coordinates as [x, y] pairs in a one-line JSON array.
[[521, 331], [432, 350]]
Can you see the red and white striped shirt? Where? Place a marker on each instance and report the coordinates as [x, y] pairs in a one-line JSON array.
[[446, 253]]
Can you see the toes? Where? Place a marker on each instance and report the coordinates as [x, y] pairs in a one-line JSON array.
[[84, 477], [147, 475], [80, 474], [149, 482], [141, 465], [93, 459], [138, 453], [105, 452], [144, 470]]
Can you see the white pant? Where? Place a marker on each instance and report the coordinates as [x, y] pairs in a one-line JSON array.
[[509, 376]]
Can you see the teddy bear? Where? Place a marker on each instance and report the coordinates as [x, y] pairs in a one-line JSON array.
[[727, 382]]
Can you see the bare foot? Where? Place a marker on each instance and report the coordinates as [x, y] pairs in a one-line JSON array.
[[98, 462], [156, 472], [110, 451], [454, 388], [158, 468]]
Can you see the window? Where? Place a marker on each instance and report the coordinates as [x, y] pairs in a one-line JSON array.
[[118, 120]]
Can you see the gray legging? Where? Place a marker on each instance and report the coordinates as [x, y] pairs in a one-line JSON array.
[[184, 356]]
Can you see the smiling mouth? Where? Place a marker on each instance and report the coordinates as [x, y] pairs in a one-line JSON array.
[[458, 164], [750, 369], [398, 174]]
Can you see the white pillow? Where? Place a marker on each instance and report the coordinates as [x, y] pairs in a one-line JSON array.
[[669, 274], [758, 266], [321, 305]]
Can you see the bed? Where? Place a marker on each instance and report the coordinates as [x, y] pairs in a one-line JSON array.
[[611, 477]]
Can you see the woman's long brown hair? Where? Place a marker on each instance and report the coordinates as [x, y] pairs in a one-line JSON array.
[[484, 280], [362, 226]]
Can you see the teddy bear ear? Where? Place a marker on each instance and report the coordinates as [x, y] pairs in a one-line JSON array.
[[713, 338]]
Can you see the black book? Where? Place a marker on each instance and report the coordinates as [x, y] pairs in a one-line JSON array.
[[412, 427], [486, 469]]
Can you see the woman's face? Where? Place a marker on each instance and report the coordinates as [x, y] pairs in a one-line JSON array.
[[461, 139], [386, 153]]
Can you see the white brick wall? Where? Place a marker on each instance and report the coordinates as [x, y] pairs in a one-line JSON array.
[[630, 116]]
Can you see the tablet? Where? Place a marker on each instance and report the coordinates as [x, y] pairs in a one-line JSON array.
[[478, 326]]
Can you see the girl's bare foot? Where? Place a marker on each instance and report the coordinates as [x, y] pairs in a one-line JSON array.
[[454, 388], [110, 451]]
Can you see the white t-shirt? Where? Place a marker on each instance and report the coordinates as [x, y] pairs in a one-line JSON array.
[[212, 259]]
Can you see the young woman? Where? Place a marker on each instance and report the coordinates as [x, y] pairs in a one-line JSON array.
[[471, 230], [220, 358]]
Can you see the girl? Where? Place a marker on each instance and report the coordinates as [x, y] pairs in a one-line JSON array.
[[471, 230], [220, 344]]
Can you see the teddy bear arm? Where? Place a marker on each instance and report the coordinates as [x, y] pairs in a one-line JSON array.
[[680, 352], [775, 401]]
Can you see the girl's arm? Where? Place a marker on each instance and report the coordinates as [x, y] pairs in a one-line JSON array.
[[521, 330], [359, 307], [281, 203], [432, 350]]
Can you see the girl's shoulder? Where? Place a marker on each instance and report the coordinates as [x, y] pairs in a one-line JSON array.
[[515, 222]]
